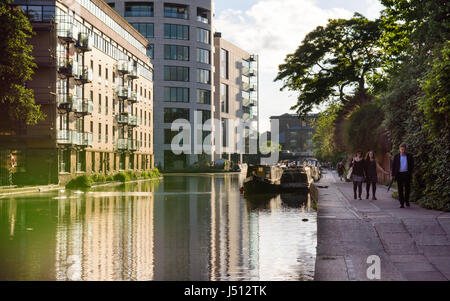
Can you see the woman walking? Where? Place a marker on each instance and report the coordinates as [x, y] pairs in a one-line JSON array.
[[340, 169], [371, 167], [358, 173]]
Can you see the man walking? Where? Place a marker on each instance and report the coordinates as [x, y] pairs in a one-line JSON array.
[[402, 170]]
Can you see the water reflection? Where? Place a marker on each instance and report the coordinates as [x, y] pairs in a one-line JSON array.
[[194, 227]]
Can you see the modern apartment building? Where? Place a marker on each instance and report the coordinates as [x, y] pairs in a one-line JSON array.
[[181, 35], [236, 98], [94, 82], [295, 134]]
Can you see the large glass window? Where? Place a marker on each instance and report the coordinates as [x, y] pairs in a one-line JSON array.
[[145, 29], [175, 94], [203, 56], [224, 98], [39, 13], [177, 32], [151, 51], [176, 11], [176, 52], [204, 96], [206, 115], [203, 35], [176, 73], [203, 76], [138, 9], [224, 63], [172, 114]]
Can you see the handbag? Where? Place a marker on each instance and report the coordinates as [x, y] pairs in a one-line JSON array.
[[349, 174]]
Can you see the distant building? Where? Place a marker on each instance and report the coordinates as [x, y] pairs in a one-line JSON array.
[[295, 134]]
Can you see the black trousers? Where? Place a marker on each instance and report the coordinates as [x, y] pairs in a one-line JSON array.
[[357, 185], [374, 187], [404, 187]]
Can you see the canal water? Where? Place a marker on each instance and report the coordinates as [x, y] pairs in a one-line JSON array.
[[185, 227]]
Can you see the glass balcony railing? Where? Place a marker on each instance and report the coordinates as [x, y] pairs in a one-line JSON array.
[[132, 97], [128, 144], [83, 106], [67, 31], [133, 73], [67, 67], [64, 101], [84, 42], [122, 118], [122, 92], [123, 66], [203, 19], [84, 75], [132, 120]]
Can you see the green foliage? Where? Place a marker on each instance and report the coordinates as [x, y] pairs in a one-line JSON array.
[[79, 182], [362, 128], [16, 66], [109, 178], [98, 178], [323, 140], [122, 177], [333, 62], [435, 102]]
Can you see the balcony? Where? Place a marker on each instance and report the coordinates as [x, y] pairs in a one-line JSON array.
[[133, 145], [84, 75], [85, 139], [83, 107], [122, 118], [203, 19], [133, 73], [132, 121], [122, 93], [245, 113], [122, 144], [123, 66], [132, 97], [252, 58], [67, 32], [67, 137], [84, 42], [67, 68], [253, 88], [65, 102]]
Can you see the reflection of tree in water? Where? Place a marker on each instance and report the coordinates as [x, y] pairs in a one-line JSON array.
[[295, 200]]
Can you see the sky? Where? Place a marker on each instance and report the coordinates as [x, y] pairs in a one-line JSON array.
[[275, 28]]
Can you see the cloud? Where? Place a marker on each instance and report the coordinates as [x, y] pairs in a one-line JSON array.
[[273, 29]]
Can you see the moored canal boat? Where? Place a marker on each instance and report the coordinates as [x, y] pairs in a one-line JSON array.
[[263, 179]]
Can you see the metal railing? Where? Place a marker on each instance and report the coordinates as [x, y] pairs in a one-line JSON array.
[[84, 75], [83, 106], [64, 101], [84, 42], [123, 66], [122, 92]]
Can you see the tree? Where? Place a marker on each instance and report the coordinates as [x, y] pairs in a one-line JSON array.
[[16, 66], [333, 62]]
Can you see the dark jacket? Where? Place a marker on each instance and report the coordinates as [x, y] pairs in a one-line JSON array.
[[396, 164], [371, 170], [358, 168]]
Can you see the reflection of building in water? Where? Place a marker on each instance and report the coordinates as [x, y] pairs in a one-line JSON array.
[[230, 232], [109, 238], [182, 229]]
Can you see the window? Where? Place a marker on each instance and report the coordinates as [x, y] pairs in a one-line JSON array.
[[203, 76], [172, 94], [39, 13], [176, 11], [206, 115], [172, 114], [203, 56], [99, 103], [204, 96], [168, 136], [176, 73], [64, 160], [202, 15], [138, 9], [145, 29], [99, 70], [106, 105], [99, 132], [224, 98], [203, 35], [224, 63], [150, 51], [177, 32], [112, 4], [176, 52]]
